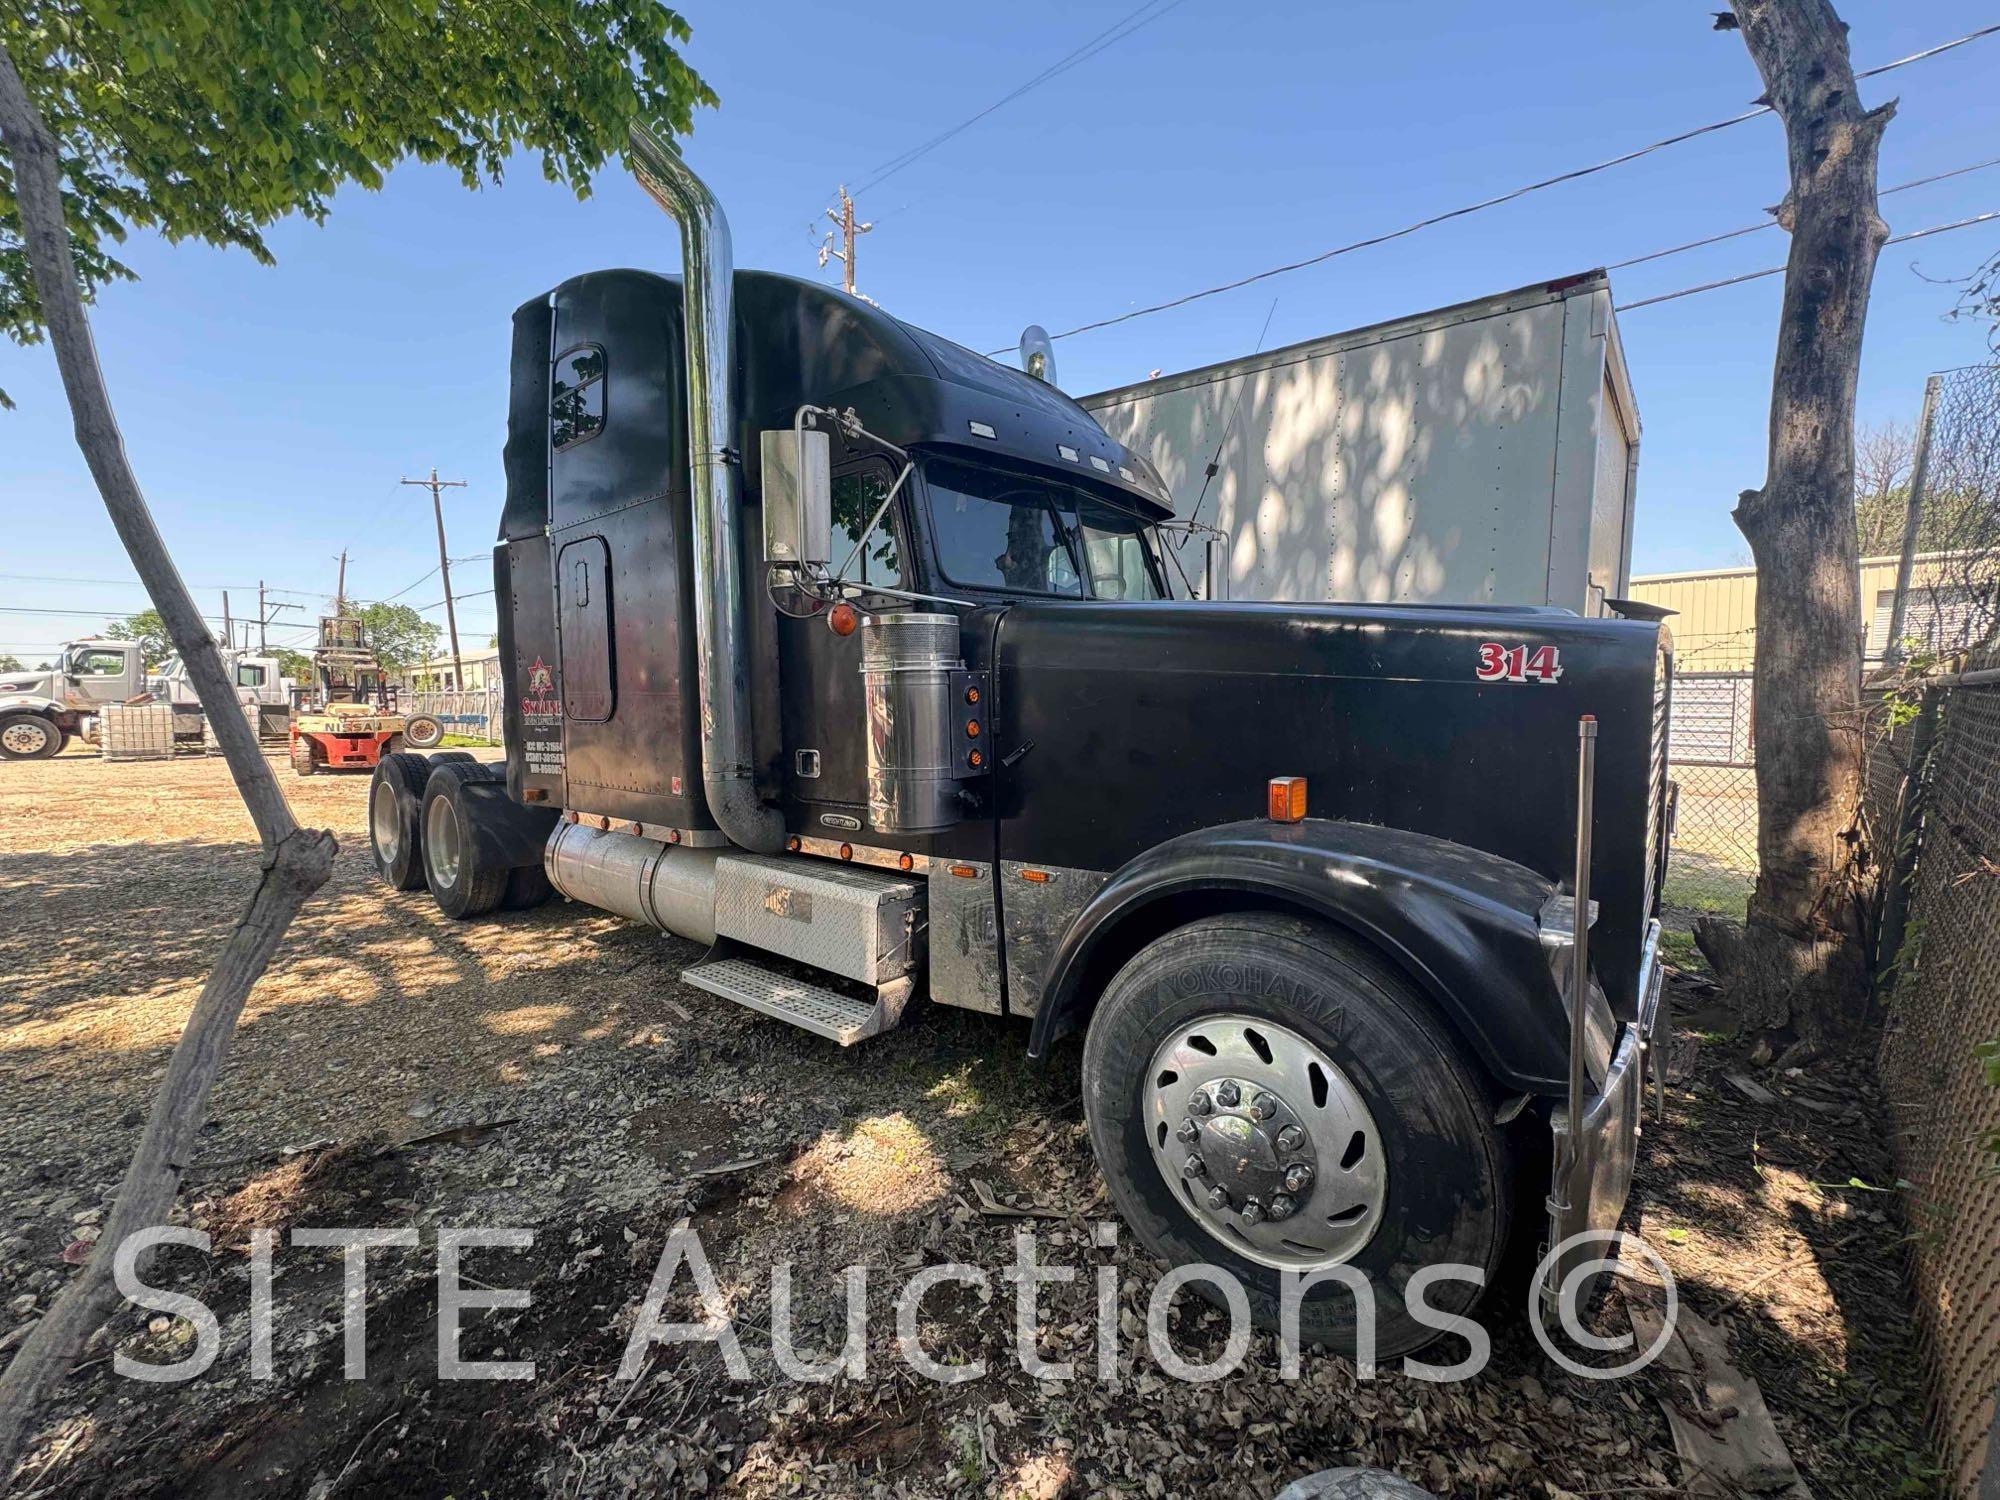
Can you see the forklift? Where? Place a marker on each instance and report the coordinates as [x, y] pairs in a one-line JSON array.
[[347, 719], [868, 664]]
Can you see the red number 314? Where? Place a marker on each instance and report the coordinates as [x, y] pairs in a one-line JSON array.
[[1498, 663]]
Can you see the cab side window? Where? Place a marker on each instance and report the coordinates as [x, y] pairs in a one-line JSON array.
[[576, 397], [248, 675], [98, 663], [857, 495]]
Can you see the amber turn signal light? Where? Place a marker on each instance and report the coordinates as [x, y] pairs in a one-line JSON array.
[[847, 851], [1287, 799], [972, 695], [972, 729], [906, 862], [842, 619]]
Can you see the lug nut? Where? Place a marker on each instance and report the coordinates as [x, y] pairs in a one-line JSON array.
[[1264, 1106], [1298, 1178], [1200, 1104], [1253, 1211], [1218, 1197], [1188, 1134], [1291, 1138], [1282, 1207], [1227, 1094], [1194, 1166]]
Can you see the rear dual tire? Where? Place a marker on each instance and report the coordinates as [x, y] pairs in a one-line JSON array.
[[464, 879], [395, 814], [1405, 1167]]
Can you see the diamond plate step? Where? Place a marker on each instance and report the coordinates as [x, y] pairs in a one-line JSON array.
[[811, 1007]]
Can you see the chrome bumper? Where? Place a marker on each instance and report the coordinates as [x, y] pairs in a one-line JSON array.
[[1608, 1145]]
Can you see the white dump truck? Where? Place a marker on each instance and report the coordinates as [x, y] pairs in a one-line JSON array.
[[41, 711], [1479, 454]]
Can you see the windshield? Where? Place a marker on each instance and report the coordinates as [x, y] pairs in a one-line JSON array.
[[1023, 534]]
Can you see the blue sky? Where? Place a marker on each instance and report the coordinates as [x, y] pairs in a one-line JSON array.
[[270, 412]]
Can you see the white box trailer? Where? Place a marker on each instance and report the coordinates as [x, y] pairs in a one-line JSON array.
[[1479, 454]]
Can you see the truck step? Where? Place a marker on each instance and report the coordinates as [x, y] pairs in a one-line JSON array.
[[811, 1007]]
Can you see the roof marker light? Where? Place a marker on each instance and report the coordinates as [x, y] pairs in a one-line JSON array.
[[982, 429], [1066, 453], [1099, 464]]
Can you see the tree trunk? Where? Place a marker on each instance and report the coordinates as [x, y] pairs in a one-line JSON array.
[[296, 861], [1799, 959]]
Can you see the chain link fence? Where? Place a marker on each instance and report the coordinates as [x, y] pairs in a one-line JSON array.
[[1934, 811], [1714, 861]]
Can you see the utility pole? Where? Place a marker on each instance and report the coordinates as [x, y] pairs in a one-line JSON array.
[[846, 227], [436, 486], [1913, 520], [340, 588], [228, 635]]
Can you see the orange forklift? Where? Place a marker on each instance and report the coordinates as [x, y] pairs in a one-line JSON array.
[[347, 719]]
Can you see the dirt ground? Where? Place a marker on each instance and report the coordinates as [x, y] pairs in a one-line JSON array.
[[546, 1069]]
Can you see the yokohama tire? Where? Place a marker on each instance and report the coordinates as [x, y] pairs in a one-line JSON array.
[[1445, 1194]]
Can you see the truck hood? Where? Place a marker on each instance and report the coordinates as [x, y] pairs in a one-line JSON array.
[[38, 683]]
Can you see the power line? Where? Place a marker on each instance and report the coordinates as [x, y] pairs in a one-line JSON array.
[[1730, 234], [248, 588], [1711, 286], [1572, 175], [1110, 36]]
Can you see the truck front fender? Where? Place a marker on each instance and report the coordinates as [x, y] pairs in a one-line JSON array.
[[1464, 925], [48, 708]]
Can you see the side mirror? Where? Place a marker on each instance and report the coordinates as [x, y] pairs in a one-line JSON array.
[[798, 497], [1214, 566]]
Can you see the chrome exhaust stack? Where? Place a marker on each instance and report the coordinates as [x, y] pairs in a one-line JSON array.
[[728, 773]]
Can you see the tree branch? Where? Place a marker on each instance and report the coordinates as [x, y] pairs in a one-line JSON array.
[[296, 862]]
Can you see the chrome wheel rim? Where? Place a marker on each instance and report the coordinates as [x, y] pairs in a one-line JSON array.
[[441, 841], [1266, 1142], [24, 738], [385, 823]]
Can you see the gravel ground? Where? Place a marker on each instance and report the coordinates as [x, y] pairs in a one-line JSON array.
[[546, 1069]]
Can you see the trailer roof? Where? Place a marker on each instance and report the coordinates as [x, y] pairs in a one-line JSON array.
[[1584, 283]]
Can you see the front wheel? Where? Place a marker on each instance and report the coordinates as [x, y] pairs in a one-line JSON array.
[[28, 736], [1270, 1096]]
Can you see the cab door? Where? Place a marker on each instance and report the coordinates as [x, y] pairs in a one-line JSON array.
[[825, 736]]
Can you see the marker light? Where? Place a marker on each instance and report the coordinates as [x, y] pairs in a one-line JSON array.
[[964, 872], [972, 729], [906, 862], [842, 618], [1287, 799], [1040, 877]]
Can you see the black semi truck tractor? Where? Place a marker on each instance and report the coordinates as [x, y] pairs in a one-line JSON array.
[[855, 656]]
